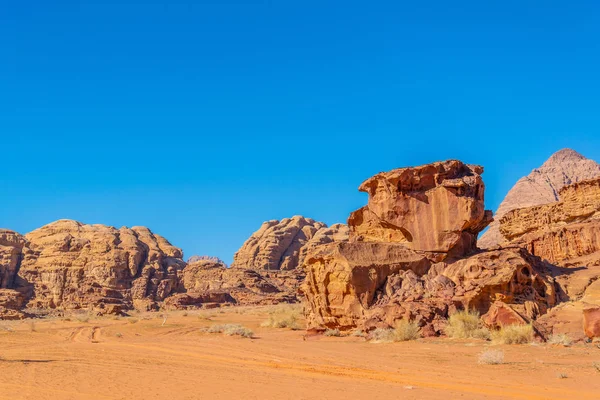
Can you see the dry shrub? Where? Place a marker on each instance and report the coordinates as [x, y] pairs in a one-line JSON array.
[[283, 317], [358, 333], [596, 365], [333, 333], [491, 357], [132, 320], [513, 334], [231, 330], [560, 338], [466, 325], [404, 331]]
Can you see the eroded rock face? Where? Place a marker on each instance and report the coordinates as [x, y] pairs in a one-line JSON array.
[[369, 285], [437, 207], [412, 255], [281, 245], [11, 253], [561, 232], [541, 186], [73, 265], [566, 234]]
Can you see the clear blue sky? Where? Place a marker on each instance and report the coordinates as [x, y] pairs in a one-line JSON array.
[[201, 120]]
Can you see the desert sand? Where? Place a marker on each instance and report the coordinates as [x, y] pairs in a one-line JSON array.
[[144, 357]]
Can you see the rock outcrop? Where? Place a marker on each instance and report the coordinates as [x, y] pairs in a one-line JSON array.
[[436, 207], [541, 186], [281, 245], [71, 265], [412, 255], [563, 233], [567, 235]]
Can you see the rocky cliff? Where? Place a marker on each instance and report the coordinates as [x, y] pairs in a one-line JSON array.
[[567, 235], [541, 186]]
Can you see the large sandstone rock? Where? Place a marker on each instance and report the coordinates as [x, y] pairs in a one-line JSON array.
[[73, 265], [437, 207], [541, 186], [281, 245], [412, 255]]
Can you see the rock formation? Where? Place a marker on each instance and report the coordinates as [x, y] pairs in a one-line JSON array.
[[541, 186], [567, 235], [437, 208], [281, 245], [412, 255], [72, 265], [213, 259], [207, 283]]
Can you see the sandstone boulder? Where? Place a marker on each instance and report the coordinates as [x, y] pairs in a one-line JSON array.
[[437, 207]]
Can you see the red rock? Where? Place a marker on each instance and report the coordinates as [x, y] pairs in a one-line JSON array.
[[591, 322], [437, 207]]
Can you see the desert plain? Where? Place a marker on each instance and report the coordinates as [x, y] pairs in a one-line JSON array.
[[172, 355]]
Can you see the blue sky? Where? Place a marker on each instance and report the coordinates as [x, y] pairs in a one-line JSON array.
[[200, 120]]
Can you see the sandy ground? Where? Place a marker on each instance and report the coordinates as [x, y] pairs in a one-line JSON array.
[[140, 358]]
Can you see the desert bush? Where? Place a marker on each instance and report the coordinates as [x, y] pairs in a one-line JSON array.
[[132, 320], [358, 333], [119, 335], [333, 332], [562, 375], [283, 317], [596, 365], [466, 325], [231, 330], [560, 338], [513, 334], [239, 331], [491, 357], [404, 331]]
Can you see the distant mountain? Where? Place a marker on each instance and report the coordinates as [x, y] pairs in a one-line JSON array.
[[541, 186], [194, 259]]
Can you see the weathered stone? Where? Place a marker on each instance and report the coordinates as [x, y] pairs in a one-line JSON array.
[[72, 265], [278, 245], [541, 186], [437, 207]]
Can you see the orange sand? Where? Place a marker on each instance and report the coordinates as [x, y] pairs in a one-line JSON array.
[[107, 358]]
